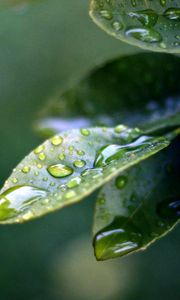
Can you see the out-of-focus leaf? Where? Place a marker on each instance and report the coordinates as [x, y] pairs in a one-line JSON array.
[[132, 90], [152, 25], [17, 3], [163, 125], [70, 166], [139, 206]]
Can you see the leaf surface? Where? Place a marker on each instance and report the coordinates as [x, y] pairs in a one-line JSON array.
[[70, 166], [133, 90], [139, 206], [152, 25]]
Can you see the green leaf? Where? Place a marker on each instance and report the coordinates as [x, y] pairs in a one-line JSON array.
[[132, 90], [70, 166], [139, 206], [152, 25]]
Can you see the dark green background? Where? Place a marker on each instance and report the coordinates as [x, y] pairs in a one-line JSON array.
[[45, 48]]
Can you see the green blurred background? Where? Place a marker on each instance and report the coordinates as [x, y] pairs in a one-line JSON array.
[[45, 47]]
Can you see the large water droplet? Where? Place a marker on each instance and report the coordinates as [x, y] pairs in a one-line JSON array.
[[117, 239], [144, 35], [110, 153], [15, 199], [59, 170], [147, 17], [172, 14], [106, 14]]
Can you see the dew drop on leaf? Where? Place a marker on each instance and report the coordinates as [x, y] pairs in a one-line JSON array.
[[79, 163], [15, 199], [26, 169], [56, 140], [59, 171], [85, 131], [120, 182], [74, 182], [147, 35], [121, 236]]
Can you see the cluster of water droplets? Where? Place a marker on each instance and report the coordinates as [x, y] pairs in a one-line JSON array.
[[59, 171], [145, 27]]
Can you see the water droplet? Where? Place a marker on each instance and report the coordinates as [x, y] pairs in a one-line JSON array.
[[117, 239], [172, 14], [110, 153], [80, 153], [95, 173], [42, 156], [117, 26], [39, 166], [36, 173], [85, 131], [169, 209], [79, 163], [120, 128], [106, 14], [70, 194], [56, 140], [60, 171], [163, 2], [39, 149], [62, 156], [144, 35], [26, 169], [133, 3], [15, 180], [15, 199], [147, 17], [74, 182], [120, 182]]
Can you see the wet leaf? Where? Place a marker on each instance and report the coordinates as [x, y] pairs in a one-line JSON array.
[[132, 90], [70, 166], [152, 25], [139, 206]]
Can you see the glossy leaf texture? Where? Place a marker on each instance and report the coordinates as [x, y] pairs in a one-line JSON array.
[[70, 166], [152, 25], [139, 206], [132, 90]]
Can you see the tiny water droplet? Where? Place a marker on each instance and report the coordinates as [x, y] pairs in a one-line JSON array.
[[117, 26], [106, 14], [70, 194], [42, 156], [79, 163], [85, 131], [120, 128], [117, 239], [56, 140], [39, 149], [120, 182], [74, 182], [39, 166], [26, 169], [59, 171], [15, 180], [62, 156], [80, 153]]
